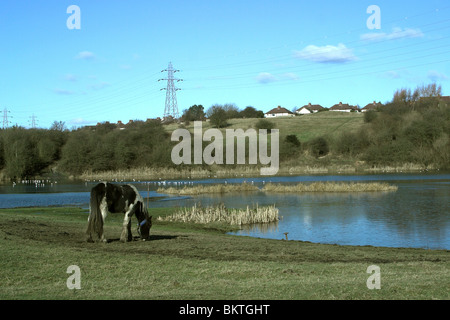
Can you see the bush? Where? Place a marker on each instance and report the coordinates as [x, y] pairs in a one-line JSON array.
[[423, 132], [218, 117], [369, 116], [293, 140], [319, 147], [290, 147], [350, 143], [251, 112], [264, 124]]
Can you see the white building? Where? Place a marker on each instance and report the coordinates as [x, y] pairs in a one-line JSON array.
[[278, 112], [309, 108]]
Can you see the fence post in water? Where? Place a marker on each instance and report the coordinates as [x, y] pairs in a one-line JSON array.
[[148, 192]]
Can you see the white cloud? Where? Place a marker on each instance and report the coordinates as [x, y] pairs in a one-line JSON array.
[[397, 33], [265, 77], [326, 54], [434, 75], [85, 55]]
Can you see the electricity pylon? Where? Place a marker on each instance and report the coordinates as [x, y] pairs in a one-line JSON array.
[[5, 118], [171, 108]]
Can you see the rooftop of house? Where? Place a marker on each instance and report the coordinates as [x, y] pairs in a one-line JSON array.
[[372, 105], [279, 109], [312, 107], [342, 106]]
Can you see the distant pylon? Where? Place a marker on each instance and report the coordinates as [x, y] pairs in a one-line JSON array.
[[5, 118], [33, 121], [171, 108]]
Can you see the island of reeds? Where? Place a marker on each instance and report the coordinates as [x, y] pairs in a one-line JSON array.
[[219, 213], [213, 188], [327, 186]]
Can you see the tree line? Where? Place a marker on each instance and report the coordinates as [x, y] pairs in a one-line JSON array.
[[29, 152]]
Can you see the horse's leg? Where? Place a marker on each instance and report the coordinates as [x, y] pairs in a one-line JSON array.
[[130, 236], [104, 211], [126, 227]]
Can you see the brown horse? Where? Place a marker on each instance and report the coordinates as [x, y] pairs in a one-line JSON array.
[[111, 198]]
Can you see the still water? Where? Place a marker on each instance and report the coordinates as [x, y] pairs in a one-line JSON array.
[[416, 215]]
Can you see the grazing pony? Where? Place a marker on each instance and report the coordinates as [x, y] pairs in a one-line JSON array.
[[107, 197]]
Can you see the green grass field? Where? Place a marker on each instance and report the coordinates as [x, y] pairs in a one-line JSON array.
[[189, 261], [305, 127]]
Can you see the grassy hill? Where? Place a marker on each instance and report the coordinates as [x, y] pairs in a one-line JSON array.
[[305, 127], [294, 159]]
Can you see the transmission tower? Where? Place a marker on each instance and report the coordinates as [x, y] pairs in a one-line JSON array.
[[5, 118], [171, 108], [33, 121]]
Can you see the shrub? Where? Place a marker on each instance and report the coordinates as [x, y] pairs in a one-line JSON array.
[[218, 117], [369, 116], [319, 147], [293, 140], [352, 143], [264, 124]]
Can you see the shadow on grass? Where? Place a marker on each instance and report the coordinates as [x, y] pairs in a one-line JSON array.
[[152, 238]]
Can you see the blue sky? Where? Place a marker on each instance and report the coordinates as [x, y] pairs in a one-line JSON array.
[[251, 53]]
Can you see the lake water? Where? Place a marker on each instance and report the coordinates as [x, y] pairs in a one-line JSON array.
[[416, 215]]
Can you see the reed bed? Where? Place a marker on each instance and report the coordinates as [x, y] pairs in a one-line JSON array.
[[216, 171], [219, 213], [327, 186], [145, 173], [330, 187], [216, 188]]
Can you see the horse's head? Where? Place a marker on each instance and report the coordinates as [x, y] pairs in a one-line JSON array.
[[144, 228], [145, 221]]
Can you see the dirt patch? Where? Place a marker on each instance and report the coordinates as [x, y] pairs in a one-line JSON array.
[[38, 231], [73, 236]]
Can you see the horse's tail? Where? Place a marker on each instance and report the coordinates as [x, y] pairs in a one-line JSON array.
[[95, 220]]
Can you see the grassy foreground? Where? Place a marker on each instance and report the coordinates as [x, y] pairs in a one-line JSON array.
[[190, 261]]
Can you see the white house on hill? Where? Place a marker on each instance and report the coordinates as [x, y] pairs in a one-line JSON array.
[[371, 106], [278, 112], [309, 108], [343, 107]]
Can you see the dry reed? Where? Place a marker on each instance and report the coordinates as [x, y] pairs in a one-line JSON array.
[[219, 213]]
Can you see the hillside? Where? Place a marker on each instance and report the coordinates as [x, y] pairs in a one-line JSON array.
[[305, 127]]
